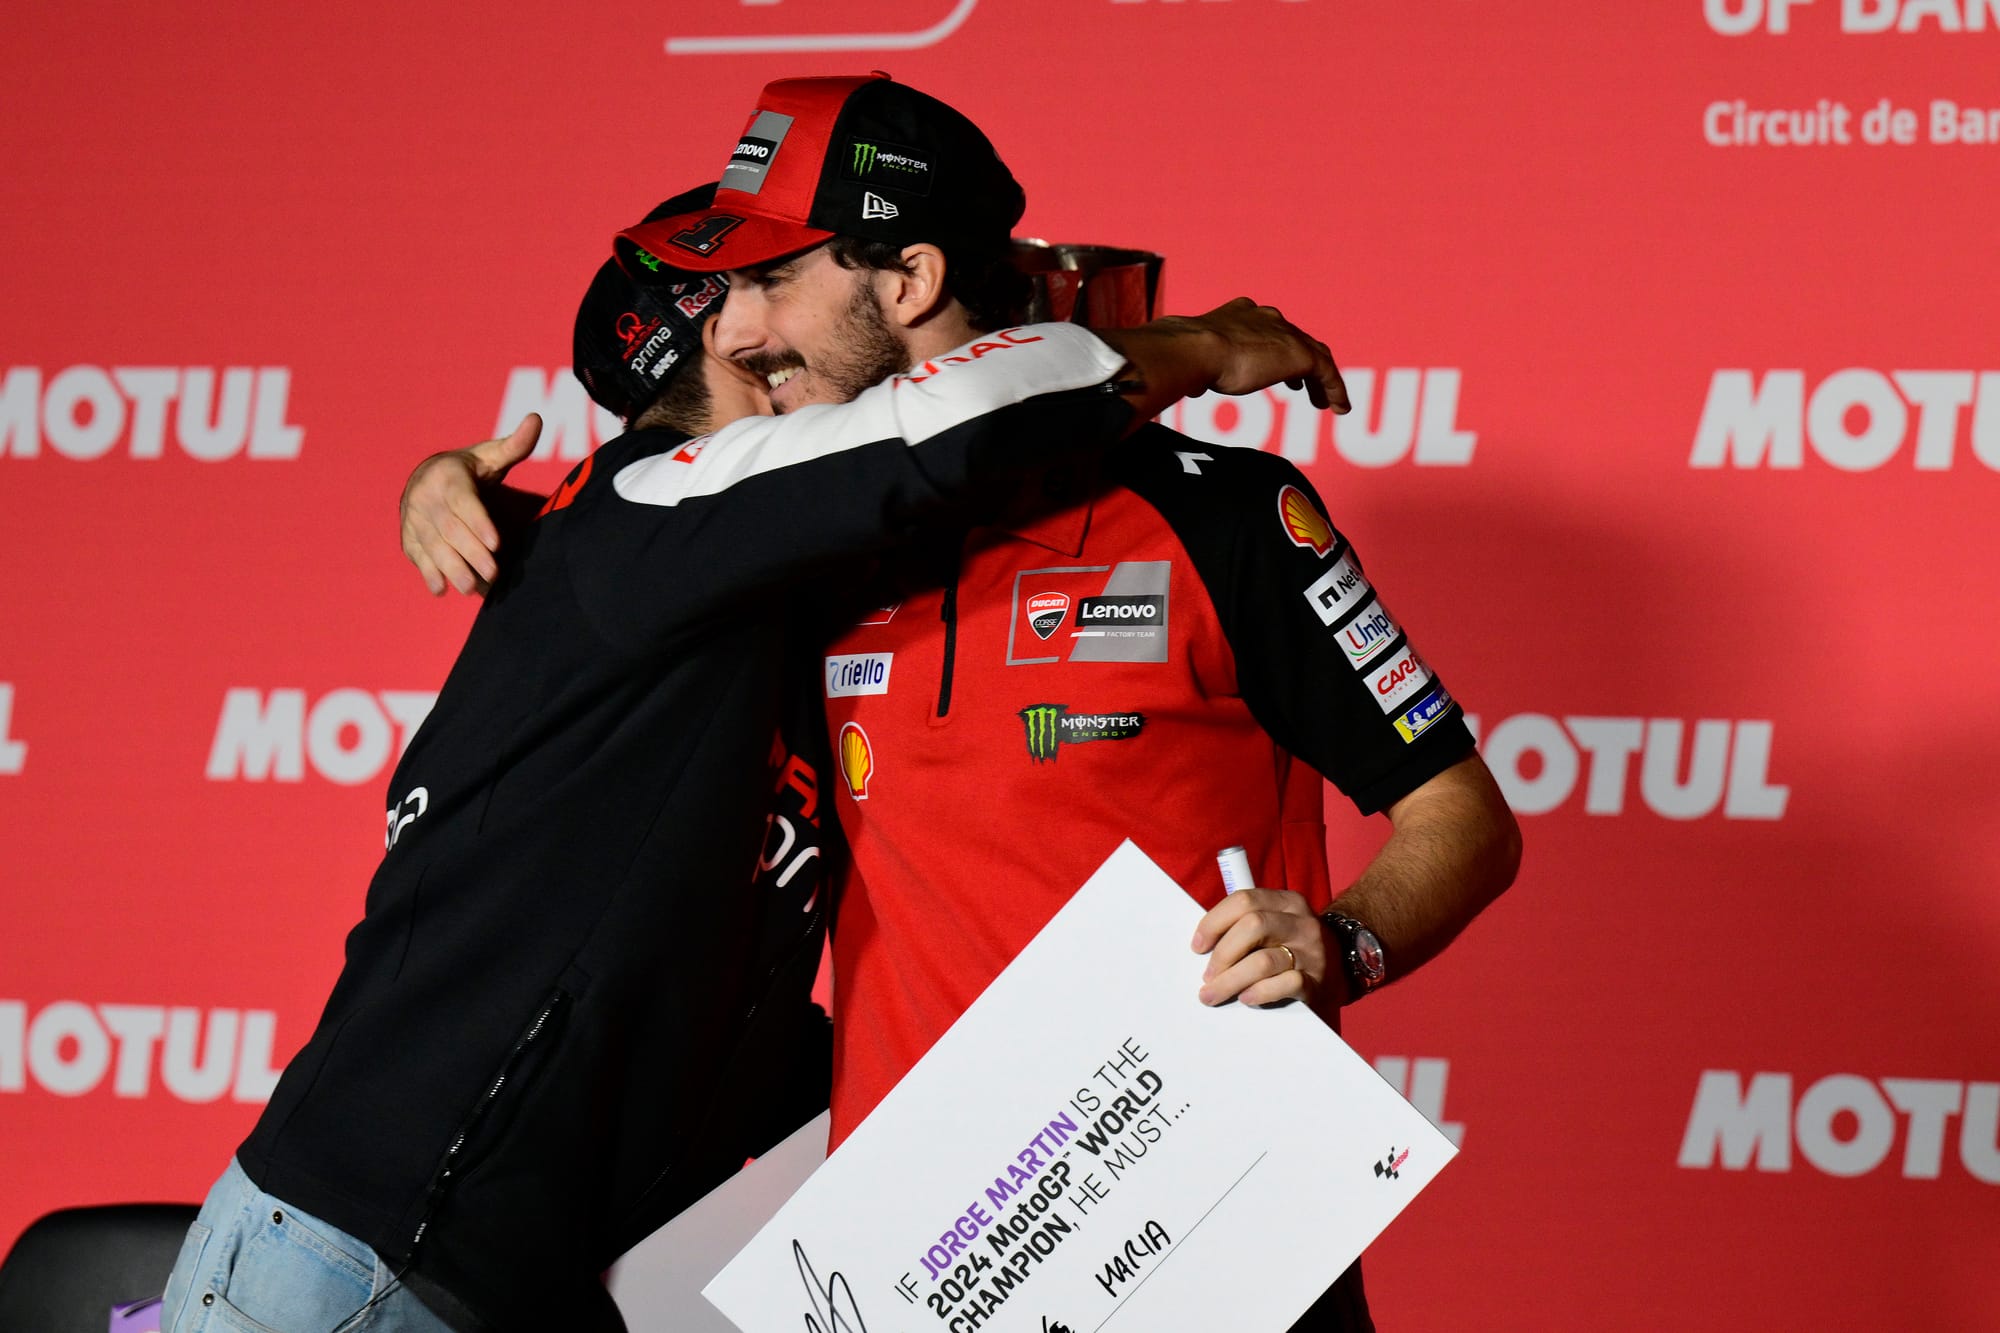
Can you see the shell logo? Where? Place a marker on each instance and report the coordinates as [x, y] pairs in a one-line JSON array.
[[1304, 524], [857, 759]]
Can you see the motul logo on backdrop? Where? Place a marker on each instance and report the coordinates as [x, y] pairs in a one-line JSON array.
[[349, 736], [1733, 18], [1855, 420], [1686, 770], [1421, 1083], [1842, 1125], [89, 412], [572, 425], [71, 1049], [1400, 415]]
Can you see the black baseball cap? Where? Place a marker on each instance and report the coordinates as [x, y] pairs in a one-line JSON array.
[[859, 155], [631, 334]]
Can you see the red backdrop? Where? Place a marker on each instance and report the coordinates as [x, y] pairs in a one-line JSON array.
[[1678, 444]]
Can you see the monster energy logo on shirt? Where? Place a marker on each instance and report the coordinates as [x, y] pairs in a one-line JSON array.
[[1051, 726], [889, 164]]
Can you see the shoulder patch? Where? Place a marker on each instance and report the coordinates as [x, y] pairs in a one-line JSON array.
[[1303, 522]]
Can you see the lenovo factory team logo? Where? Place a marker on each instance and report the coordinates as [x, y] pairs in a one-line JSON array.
[[1052, 726], [1113, 613]]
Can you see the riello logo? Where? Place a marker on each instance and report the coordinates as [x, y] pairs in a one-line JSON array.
[[1855, 420], [1686, 770], [349, 736], [89, 412], [1842, 1125], [1400, 415], [70, 1049]]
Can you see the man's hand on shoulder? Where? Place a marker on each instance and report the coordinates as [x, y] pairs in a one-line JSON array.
[[447, 533], [1237, 348]]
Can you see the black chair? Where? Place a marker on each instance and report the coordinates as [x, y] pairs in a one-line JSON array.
[[67, 1270]]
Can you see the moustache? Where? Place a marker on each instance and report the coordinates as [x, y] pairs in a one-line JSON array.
[[766, 363]]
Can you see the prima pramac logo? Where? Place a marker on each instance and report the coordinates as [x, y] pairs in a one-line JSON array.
[[1051, 726]]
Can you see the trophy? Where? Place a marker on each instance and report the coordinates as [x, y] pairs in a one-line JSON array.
[[1100, 285]]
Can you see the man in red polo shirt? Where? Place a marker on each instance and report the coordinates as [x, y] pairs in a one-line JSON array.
[[1172, 645]]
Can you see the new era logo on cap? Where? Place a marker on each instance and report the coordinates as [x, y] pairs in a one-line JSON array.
[[874, 205]]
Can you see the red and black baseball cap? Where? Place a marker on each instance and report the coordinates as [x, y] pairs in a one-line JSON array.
[[632, 334], [853, 156]]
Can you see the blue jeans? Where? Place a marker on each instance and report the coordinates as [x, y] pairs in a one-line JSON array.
[[252, 1263]]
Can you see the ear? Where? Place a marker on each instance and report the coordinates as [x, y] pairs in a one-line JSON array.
[[908, 299]]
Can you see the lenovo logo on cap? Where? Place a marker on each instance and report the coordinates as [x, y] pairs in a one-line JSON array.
[[755, 152]]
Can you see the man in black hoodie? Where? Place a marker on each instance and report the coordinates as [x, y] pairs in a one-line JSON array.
[[566, 1005]]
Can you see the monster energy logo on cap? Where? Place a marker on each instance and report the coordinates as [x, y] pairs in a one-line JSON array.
[[1051, 726], [894, 165]]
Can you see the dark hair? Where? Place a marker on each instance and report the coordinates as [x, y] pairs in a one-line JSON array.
[[682, 404], [982, 279]]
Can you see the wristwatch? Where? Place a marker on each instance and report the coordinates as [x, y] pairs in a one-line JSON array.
[[1361, 954]]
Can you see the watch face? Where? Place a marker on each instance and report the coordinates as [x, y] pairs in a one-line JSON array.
[[1368, 950]]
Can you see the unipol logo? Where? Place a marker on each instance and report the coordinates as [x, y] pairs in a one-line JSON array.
[[350, 736], [926, 28], [69, 1048], [1856, 420], [87, 412], [1401, 415], [1843, 1125], [1685, 772]]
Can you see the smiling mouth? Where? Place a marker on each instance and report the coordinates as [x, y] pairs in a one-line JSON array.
[[777, 377]]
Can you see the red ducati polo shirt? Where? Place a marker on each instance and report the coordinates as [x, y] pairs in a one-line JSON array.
[[1175, 658]]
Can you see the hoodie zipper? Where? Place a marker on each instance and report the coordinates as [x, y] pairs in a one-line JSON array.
[[948, 613], [448, 1167]]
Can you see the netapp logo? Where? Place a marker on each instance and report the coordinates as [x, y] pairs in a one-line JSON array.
[[68, 1048], [1731, 1124], [86, 412], [1856, 420], [1734, 18], [572, 425], [1407, 415], [1727, 769], [13, 753], [350, 736]]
